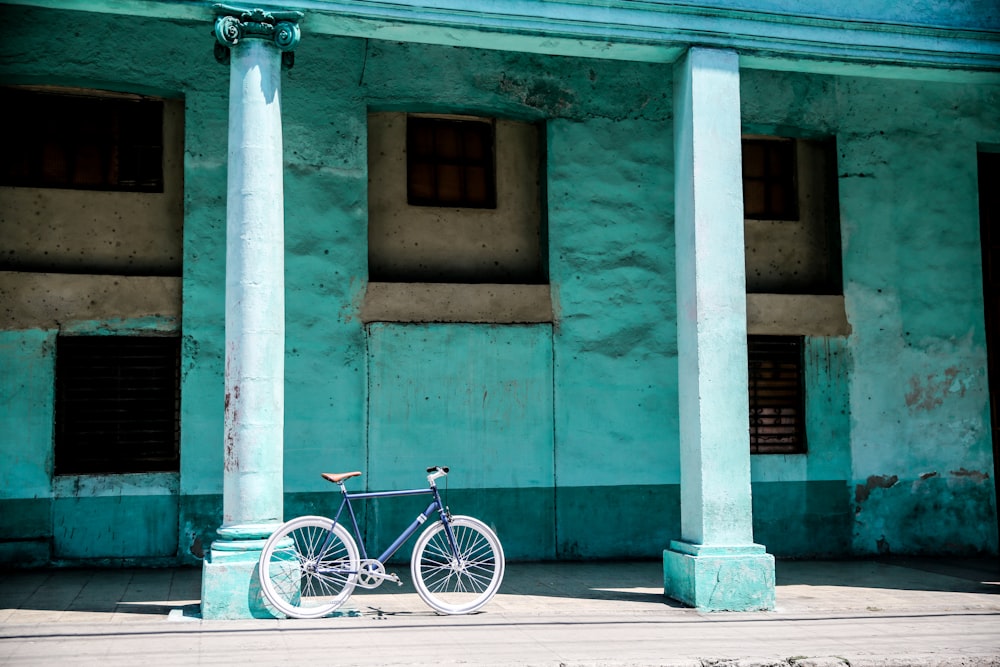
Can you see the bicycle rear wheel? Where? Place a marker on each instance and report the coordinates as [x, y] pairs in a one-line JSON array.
[[462, 584], [309, 567]]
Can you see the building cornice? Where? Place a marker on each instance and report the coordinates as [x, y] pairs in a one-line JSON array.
[[640, 30]]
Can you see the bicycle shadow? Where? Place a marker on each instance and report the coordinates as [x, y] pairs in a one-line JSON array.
[[619, 581], [634, 586]]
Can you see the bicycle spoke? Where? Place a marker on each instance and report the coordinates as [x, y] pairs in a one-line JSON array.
[[308, 567], [461, 576]]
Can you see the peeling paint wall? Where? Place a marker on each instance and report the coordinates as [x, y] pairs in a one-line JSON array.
[[897, 425], [916, 359], [920, 394]]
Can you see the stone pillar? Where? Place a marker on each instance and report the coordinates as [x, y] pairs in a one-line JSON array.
[[254, 43], [715, 565]]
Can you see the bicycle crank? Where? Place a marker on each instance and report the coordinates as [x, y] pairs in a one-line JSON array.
[[372, 573]]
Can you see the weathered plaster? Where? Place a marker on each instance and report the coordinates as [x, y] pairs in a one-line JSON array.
[[909, 227], [27, 397], [475, 398], [115, 516], [611, 258]]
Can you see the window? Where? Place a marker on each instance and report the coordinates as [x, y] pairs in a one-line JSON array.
[[117, 404], [450, 162], [776, 395], [769, 183], [82, 141]]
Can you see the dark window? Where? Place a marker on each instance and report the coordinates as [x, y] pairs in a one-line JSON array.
[[450, 163], [117, 403], [769, 184], [82, 142], [777, 424]]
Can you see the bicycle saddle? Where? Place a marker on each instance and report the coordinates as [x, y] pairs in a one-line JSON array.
[[338, 477]]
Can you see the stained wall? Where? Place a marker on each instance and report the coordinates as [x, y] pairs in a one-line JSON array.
[[561, 434]]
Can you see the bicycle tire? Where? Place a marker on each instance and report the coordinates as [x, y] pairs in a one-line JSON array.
[[292, 573], [463, 585]]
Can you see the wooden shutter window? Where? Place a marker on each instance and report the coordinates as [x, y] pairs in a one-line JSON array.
[[777, 415], [770, 191], [117, 404], [450, 163], [82, 141]]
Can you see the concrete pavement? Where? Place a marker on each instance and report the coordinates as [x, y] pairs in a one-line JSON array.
[[888, 613]]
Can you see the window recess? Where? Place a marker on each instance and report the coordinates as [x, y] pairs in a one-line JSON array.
[[791, 216], [454, 200]]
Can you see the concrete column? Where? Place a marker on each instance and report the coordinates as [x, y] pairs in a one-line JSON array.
[[254, 43], [715, 565]]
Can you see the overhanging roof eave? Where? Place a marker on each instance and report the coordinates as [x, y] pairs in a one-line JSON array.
[[639, 31]]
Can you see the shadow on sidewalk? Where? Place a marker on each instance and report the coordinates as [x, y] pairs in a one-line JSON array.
[[89, 591], [952, 575], [620, 585]]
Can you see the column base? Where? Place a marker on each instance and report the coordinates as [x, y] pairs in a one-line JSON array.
[[230, 582], [719, 578]]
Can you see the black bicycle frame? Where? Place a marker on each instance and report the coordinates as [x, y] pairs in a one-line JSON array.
[[435, 506]]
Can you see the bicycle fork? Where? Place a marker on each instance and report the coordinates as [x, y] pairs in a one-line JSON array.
[[445, 515]]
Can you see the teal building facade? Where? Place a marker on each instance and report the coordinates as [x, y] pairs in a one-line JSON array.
[[682, 201]]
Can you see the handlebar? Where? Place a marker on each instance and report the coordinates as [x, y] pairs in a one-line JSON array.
[[434, 472]]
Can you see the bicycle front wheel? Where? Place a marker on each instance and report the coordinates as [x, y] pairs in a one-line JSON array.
[[309, 567], [462, 582]]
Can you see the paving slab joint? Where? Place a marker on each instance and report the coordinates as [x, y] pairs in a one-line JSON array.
[[743, 662]]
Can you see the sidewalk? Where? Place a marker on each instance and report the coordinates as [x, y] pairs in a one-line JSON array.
[[889, 613]]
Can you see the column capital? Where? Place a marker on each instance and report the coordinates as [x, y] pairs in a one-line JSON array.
[[233, 24]]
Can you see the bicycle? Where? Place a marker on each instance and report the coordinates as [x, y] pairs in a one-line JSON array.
[[311, 564]]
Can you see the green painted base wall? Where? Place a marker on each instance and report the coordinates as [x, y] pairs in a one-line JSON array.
[[116, 527], [803, 519], [792, 519]]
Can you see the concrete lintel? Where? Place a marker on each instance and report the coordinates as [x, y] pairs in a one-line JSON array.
[[57, 300], [797, 315], [452, 302]]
